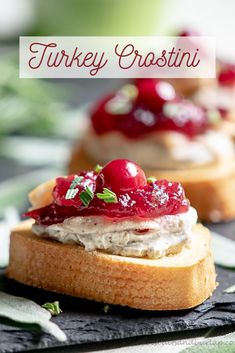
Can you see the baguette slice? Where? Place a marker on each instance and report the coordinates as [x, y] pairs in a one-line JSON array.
[[210, 189], [174, 282]]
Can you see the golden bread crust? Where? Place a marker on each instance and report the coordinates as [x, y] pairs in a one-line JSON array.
[[187, 86], [210, 189], [174, 282]]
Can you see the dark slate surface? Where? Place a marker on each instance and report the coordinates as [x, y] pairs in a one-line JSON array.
[[85, 321]]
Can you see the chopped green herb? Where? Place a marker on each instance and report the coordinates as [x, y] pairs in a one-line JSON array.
[[98, 168], [230, 289], [107, 196], [151, 179], [71, 193], [106, 308], [130, 91], [214, 116], [86, 196], [77, 180], [53, 308]]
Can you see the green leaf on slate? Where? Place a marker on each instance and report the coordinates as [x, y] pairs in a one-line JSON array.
[[221, 344], [22, 312], [106, 308], [53, 308], [224, 250], [230, 289]]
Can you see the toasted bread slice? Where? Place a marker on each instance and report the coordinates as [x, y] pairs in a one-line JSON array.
[[173, 282], [187, 86], [210, 189]]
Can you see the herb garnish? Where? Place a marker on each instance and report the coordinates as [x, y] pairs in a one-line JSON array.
[[72, 192], [214, 116], [86, 196], [77, 180], [151, 179], [230, 289], [106, 308], [130, 91], [53, 308], [18, 311], [98, 168], [107, 196]]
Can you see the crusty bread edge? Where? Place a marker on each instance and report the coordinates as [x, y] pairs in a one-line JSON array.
[[138, 283]]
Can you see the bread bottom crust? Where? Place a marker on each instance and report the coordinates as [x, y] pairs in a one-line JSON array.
[[179, 281], [210, 189]]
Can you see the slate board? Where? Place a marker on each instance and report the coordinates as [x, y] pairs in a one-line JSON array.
[[85, 321]]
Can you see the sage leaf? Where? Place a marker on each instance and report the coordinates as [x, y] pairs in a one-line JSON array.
[[22, 311], [230, 289], [10, 219], [224, 250]]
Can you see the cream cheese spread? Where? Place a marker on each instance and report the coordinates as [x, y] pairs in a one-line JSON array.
[[164, 150], [153, 238], [213, 97]]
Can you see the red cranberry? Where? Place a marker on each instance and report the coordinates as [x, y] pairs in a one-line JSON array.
[[223, 113], [184, 116], [150, 113], [53, 213], [64, 183], [102, 120], [121, 175], [189, 33], [153, 94], [133, 124], [136, 198], [157, 199], [227, 76]]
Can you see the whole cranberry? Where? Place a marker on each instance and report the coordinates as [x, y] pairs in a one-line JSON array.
[[121, 175], [227, 75], [102, 120], [189, 33], [154, 93]]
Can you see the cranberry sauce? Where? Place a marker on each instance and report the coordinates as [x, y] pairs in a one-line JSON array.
[[226, 75], [119, 190], [148, 106]]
